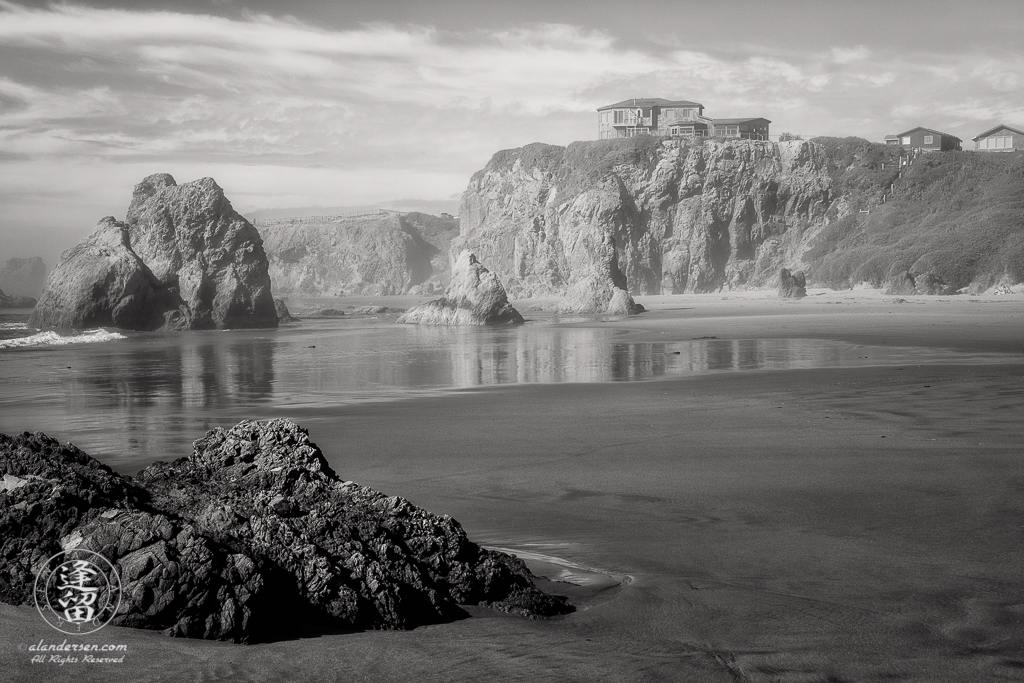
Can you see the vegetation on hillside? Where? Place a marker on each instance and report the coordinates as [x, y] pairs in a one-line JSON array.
[[957, 217]]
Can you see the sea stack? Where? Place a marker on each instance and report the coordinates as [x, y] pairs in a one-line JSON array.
[[474, 297], [183, 259], [597, 284]]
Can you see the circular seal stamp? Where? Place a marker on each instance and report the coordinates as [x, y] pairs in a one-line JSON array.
[[77, 591]]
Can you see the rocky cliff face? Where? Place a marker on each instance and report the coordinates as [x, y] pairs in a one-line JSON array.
[[184, 259], [684, 216], [370, 255], [23, 277]]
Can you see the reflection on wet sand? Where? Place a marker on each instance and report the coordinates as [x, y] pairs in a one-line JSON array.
[[149, 396]]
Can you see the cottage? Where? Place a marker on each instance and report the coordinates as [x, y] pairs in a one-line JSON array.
[[652, 116], [747, 129], [672, 118], [892, 139], [1002, 138], [928, 140]]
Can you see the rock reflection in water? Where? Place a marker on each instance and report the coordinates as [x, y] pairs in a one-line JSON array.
[[149, 396]]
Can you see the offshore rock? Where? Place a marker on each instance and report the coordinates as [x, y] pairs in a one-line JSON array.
[[101, 282], [792, 285], [195, 243], [7, 301], [251, 537], [685, 216], [23, 277], [283, 314], [474, 297], [183, 260]]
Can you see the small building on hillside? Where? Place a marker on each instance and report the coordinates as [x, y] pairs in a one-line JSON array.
[[928, 140], [1002, 138], [672, 118], [747, 129], [892, 139]]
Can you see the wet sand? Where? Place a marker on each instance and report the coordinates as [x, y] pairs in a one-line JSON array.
[[851, 524]]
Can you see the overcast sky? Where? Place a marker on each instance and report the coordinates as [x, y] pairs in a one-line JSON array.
[[321, 102]]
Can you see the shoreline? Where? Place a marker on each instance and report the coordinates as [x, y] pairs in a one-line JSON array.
[[854, 522]]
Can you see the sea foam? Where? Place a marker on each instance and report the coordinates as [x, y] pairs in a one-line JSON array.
[[51, 338]]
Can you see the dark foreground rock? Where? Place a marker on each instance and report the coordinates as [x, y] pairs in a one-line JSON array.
[[13, 301], [183, 259], [252, 537], [792, 285], [473, 297]]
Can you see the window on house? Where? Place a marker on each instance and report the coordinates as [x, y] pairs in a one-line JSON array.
[[905, 140], [928, 139]]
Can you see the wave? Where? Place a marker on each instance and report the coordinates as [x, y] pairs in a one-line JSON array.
[[13, 326], [50, 338]]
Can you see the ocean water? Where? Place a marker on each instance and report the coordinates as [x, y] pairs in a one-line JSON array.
[[133, 398]]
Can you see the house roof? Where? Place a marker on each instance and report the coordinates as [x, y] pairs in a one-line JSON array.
[[928, 130], [993, 130], [647, 102], [892, 137], [735, 121]]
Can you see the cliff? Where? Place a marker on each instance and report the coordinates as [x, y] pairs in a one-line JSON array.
[[388, 254], [708, 215], [23, 277], [686, 216], [183, 259]]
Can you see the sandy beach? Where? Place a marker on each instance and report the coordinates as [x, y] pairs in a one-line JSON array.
[[803, 525]]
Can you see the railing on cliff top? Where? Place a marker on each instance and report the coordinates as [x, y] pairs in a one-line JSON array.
[[664, 133], [266, 222]]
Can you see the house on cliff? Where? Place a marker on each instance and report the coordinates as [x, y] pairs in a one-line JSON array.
[[926, 140], [1002, 138], [672, 118]]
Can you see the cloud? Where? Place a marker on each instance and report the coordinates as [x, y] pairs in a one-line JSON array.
[[850, 55], [284, 111]]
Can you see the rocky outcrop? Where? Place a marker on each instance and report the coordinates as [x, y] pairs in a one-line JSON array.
[[792, 285], [283, 314], [474, 297], [47, 489], [16, 301], [194, 242], [919, 283], [23, 277], [685, 216], [184, 259], [251, 537], [101, 282], [369, 255], [597, 284]]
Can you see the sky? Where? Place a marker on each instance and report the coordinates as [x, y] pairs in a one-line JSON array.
[[321, 103]]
